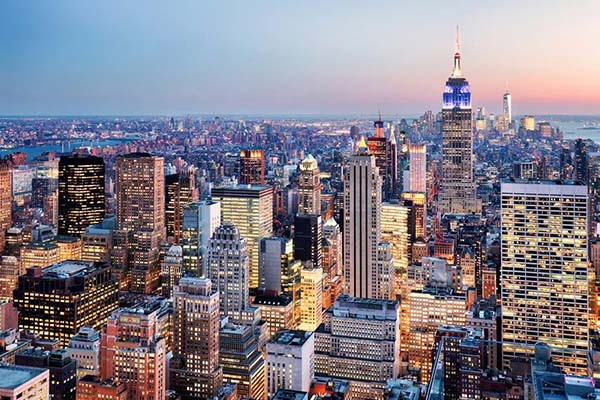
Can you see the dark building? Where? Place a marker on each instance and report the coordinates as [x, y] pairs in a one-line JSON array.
[[252, 167], [80, 193], [308, 244], [63, 370], [385, 159], [55, 302], [581, 175], [566, 164], [180, 190]]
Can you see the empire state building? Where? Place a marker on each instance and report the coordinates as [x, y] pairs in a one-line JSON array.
[[457, 192]]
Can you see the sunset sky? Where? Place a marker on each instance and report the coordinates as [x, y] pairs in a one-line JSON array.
[[309, 57]]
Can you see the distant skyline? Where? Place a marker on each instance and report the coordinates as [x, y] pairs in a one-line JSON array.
[[282, 57]]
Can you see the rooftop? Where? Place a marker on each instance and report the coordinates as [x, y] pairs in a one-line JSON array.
[[291, 337], [69, 268], [285, 394], [14, 376]]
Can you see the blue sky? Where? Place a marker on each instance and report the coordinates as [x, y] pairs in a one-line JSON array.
[[179, 57]]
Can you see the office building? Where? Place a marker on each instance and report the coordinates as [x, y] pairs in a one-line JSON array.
[[309, 187], [10, 269], [69, 247], [200, 219], [228, 270], [250, 209], [242, 361], [528, 123], [140, 197], [5, 201], [84, 348], [279, 271], [384, 270], [418, 167], [417, 218], [311, 287], [39, 254], [290, 361], [91, 387], [195, 371], [133, 350], [277, 311], [431, 307], [252, 167], [97, 241], [308, 239], [507, 108], [457, 192], [55, 302], [80, 193], [180, 190], [394, 230], [171, 269], [380, 148], [362, 222], [358, 341], [544, 271], [63, 370], [24, 383], [582, 163]]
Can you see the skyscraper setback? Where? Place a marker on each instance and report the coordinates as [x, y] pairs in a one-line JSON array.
[[457, 193]]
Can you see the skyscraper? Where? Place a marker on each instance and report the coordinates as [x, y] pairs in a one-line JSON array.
[[457, 193], [250, 209], [544, 271], [362, 222], [80, 193], [308, 241], [180, 190], [5, 200], [252, 167], [227, 268], [141, 213], [582, 174], [194, 368], [200, 219], [309, 187], [507, 108], [394, 230], [418, 167], [57, 301], [380, 148]]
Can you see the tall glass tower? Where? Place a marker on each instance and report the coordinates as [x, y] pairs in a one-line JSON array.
[[457, 194]]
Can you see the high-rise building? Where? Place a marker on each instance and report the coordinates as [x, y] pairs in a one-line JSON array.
[[200, 219], [507, 108], [290, 361], [24, 383], [417, 218], [80, 193], [380, 148], [308, 240], [171, 270], [39, 254], [544, 271], [194, 369], [582, 174], [5, 201], [252, 167], [69, 247], [63, 370], [528, 123], [418, 167], [384, 285], [97, 241], [394, 230], [84, 348], [55, 302], [141, 211], [457, 192], [311, 300], [309, 187], [180, 190], [227, 268], [280, 271], [10, 269], [362, 222], [133, 350], [242, 361], [359, 341], [277, 311], [250, 209], [430, 308]]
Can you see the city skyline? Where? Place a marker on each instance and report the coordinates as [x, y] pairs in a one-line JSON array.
[[308, 59]]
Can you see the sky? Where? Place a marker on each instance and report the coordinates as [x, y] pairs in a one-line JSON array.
[[130, 57]]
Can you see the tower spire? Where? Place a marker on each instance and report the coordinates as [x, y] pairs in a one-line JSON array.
[[456, 72]]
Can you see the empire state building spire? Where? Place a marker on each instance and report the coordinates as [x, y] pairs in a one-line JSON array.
[[456, 72]]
